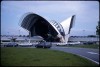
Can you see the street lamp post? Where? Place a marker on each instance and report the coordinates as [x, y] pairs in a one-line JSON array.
[[83, 32], [29, 36], [8, 33], [19, 32]]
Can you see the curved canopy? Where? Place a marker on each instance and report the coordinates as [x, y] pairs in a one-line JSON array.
[[37, 25], [30, 19]]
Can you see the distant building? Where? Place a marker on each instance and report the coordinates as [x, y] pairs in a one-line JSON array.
[[82, 39]]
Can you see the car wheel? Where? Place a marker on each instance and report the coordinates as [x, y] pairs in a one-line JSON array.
[[36, 46]]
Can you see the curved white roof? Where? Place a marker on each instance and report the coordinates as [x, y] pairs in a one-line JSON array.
[[67, 24]]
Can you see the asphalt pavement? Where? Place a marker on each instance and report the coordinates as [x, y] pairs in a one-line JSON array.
[[91, 54]]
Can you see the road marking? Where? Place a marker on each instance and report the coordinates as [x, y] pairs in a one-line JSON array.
[[84, 57], [89, 59], [92, 53]]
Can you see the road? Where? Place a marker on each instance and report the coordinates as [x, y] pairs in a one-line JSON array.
[[91, 54]]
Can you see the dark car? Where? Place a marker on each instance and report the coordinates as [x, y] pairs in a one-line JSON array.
[[89, 43], [43, 44], [11, 45]]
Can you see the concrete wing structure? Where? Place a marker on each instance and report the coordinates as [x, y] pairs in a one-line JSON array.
[[50, 31], [67, 25]]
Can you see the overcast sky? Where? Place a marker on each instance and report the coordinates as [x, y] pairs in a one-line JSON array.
[[87, 14]]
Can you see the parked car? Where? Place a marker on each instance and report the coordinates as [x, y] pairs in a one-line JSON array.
[[25, 44], [89, 43], [11, 44], [43, 44]]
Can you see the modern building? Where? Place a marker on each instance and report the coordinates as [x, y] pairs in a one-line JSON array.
[[50, 31], [39, 29], [84, 39]]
